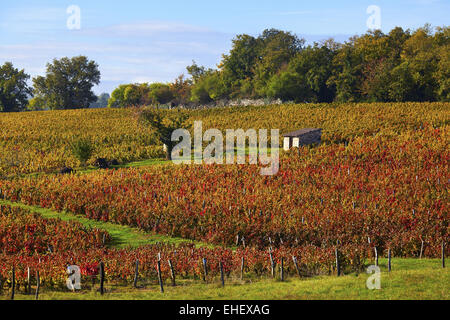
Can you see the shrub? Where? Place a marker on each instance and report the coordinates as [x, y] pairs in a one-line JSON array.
[[82, 150]]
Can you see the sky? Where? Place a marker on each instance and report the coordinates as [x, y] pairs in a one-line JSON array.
[[139, 41]]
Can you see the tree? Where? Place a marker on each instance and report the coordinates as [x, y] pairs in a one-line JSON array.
[[14, 90], [442, 75], [420, 53], [287, 86], [83, 150], [138, 95], [160, 93], [164, 122], [240, 62], [68, 83], [313, 67], [402, 86], [135, 94], [117, 98], [181, 89], [128, 95], [276, 49], [212, 86], [36, 104], [196, 72], [102, 101]]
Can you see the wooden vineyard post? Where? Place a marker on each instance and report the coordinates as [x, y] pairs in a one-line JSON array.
[[172, 273], [205, 269], [338, 265], [294, 259], [389, 260], [421, 250], [242, 268], [28, 287], [13, 283], [222, 276], [443, 254], [136, 274], [158, 265], [102, 278], [282, 269], [272, 263], [38, 286], [375, 250]]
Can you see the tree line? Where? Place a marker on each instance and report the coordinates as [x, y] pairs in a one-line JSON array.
[[375, 67], [402, 65]]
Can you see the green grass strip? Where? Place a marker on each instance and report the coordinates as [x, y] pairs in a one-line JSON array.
[[411, 279], [122, 236]]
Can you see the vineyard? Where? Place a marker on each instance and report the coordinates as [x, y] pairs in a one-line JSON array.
[[40, 141], [26, 233], [329, 210], [391, 190], [32, 243]]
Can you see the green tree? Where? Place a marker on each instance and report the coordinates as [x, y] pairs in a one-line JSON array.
[[160, 93], [68, 83], [14, 90], [420, 53], [36, 104], [83, 150], [102, 101], [276, 49], [212, 86], [314, 68], [442, 74], [288, 86], [196, 71], [135, 94], [128, 95], [241, 61], [402, 86], [117, 98]]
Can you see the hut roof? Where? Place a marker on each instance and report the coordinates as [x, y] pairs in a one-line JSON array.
[[301, 132]]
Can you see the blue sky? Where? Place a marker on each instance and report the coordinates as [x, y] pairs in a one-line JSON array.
[[148, 40]]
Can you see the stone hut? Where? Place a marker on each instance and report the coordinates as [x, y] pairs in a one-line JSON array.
[[302, 137]]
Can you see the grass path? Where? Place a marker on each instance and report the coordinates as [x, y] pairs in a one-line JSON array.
[[137, 164], [122, 236], [411, 279]]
